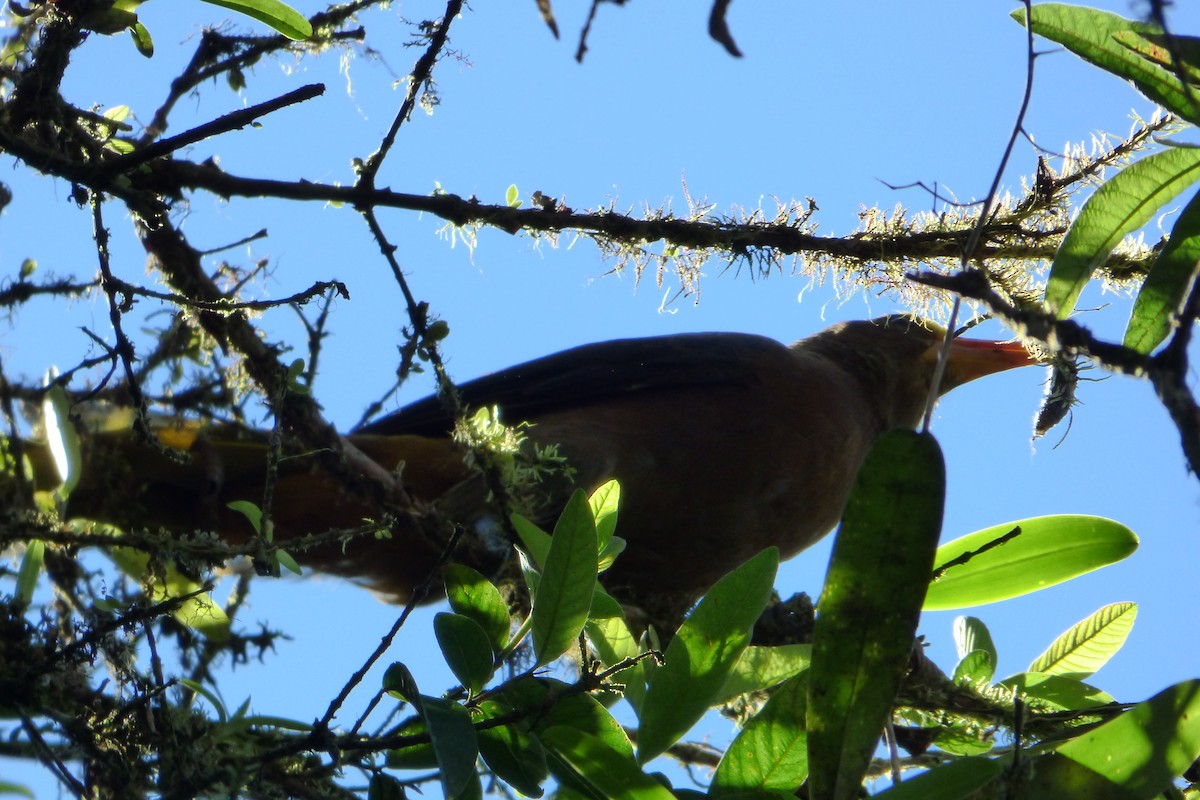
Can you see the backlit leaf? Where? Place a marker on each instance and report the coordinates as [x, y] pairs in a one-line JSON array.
[[1105, 39], [1167, 283], [703, 653], [280, 16], [1089, 644], [1046, 551], [564, 594], [868, 612], [474, 596], [1125, 202], [771, 752]]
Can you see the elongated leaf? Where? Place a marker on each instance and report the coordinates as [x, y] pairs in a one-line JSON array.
[[604, 771], [1056, 692], [454, 743], [953, 781], [398, 681], [771, 752], [971, 634], [564, 594], [762, 667], [1089, 644], [1122, 205], [466, 649], [1167, 283], [581, 712], [614, 642], [516, 757], [280, 16], [1095, 36], [1141, 752], [976, 667], [703, 653], [1155, 48], [1056, 776], [474, 596], [413, 756], [535, 540], [868, 612], [604, 503], [29, 571], [1046, 551], [200, 613], [62, 438], [961, 741]]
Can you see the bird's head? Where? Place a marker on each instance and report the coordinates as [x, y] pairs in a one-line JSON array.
[[895, 358]]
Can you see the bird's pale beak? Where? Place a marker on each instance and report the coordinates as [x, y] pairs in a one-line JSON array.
[[974, 358]]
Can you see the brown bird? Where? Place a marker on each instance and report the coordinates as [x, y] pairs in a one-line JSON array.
[[724, 444]]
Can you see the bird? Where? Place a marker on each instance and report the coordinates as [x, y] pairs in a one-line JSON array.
[[723, 444]]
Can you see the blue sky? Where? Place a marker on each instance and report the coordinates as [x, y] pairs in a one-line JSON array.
[[830, 100]]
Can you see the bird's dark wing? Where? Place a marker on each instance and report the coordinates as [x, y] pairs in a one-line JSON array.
[[593, 372]]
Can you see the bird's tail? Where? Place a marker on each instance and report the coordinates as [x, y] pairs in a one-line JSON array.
[[185, 480]]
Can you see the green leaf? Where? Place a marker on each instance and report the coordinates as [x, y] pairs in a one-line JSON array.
[[141, 39], [1056, 692], [1123, 204], [117, 113], [578, 711], [1047, 551], [963, 741], [1089, 644], [604, 503], [760, 668], [474, 596], [250, 511], [1155, 48], [868, 612], [613, 642], [564, 594], [603, 771], [512, 198], [62, 438], [31, 567], [200, 613], [609, 553], [16, 788], [1142, 751], [1102, 39], [1167, 283], [398, 680], [976, 668], [280, 16], [971, 634], [1054, 776], [294, 374], [466, 648], [288, 563], [535, 540], [771, 751], [454, 743], [703, 653], [953, 781], [200, 689], [413, 756], [516, 757]]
